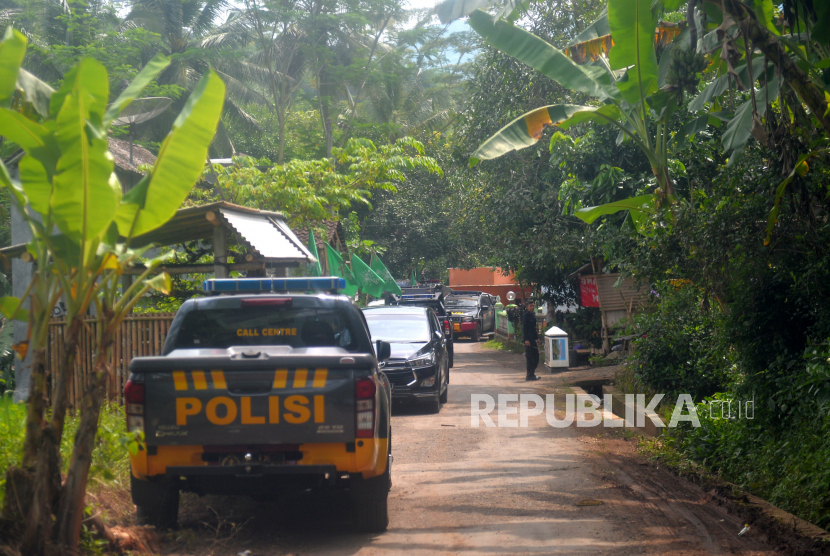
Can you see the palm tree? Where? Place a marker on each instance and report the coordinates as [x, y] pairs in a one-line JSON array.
[[188, 30], [409, 100]]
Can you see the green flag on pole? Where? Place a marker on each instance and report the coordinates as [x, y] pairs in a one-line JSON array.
[[338, 268], [389, 283], [313, 268], [412, 281], [369, 282]]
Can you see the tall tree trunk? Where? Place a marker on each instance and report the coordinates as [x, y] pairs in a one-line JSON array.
[[281, 138], [40, 461], [46, 477], [70, 512], [60, 391]]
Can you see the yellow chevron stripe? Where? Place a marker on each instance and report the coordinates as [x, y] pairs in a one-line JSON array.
[[218, 378], [320, 376], [179, 380], [199, 381], [300, 378], [280, 378]]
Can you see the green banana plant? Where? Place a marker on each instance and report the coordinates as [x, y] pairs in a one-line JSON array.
[[81, 227], [625, 86]]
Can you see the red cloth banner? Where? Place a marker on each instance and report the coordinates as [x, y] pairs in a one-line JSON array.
[[588, 291]]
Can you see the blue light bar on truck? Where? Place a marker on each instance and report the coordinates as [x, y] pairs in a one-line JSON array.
[[264, 285], [419, 296]]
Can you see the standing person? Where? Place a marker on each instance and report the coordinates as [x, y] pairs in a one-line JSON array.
[[531, 338]]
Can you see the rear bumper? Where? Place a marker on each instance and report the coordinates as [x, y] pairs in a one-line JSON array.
[[464, 326], [366, 456], [409, 395], [262, 481], [249, 470]]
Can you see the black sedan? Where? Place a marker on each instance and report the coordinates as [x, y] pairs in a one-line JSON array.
[[419, 365]]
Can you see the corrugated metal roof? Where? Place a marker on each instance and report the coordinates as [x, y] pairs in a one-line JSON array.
[[270, 237], [264, 232], [625, 297]]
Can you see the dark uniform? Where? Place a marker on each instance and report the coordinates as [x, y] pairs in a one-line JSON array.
[[530, 334]]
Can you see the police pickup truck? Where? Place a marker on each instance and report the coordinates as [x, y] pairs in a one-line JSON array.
[[261, 391]]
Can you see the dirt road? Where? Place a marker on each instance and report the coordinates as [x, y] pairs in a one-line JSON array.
[[464, 490]]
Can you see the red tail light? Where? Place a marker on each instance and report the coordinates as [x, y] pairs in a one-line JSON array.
[[447, 326], [134, 403], [133, 392], [364, 392]]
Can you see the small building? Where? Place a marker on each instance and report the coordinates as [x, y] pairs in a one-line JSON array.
[[494, 281], [617, 297], [334, 237]]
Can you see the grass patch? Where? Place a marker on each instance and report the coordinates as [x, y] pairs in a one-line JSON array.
[[498, 344], [110, 459]]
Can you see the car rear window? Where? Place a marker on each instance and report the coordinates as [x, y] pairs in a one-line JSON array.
[[462, 303], [297, 327], [391, 327]]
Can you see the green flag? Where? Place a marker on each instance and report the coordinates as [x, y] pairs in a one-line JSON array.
[[389, 283], [412, 281], [338, 268], [369, 282], [313, 268]]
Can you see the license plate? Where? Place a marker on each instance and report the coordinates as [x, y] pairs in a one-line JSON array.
[[456, 326]]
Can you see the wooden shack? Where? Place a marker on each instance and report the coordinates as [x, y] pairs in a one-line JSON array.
[[616, 296]]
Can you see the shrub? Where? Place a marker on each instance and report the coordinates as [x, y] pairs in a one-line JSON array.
[[110, 459], [585, 324], [678, 350]]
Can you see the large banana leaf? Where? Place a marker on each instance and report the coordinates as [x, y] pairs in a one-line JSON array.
[[12, 50], [89, 75], [85, 195], [605, 114], [717, 87], [542, 56], [599, 28], [450, 10], [152, 70], [38, 93], [640, 208], [34, 138], [12, 309], [739, 129], [36, 183], [525, 130], [180, 162], [632, 25]]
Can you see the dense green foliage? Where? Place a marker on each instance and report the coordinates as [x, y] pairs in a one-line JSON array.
[[361, 111], [676, 350], [733, 242], [110, 459]]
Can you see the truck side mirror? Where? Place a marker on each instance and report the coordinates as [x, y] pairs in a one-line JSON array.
[[384, 350]]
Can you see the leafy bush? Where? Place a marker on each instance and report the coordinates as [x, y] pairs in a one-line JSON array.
[[678, 350], [110, 459], [585, 324]]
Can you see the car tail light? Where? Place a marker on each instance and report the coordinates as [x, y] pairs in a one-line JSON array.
[[134, 402], [364, 392], [447, 326]]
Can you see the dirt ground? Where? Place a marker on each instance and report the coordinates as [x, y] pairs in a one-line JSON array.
[[464, 490]]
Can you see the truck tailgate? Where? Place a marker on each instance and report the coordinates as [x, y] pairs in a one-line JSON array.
[[275, 405]]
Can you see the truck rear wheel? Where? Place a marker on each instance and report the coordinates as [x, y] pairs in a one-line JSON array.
[[369, 502], [157, 503]]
